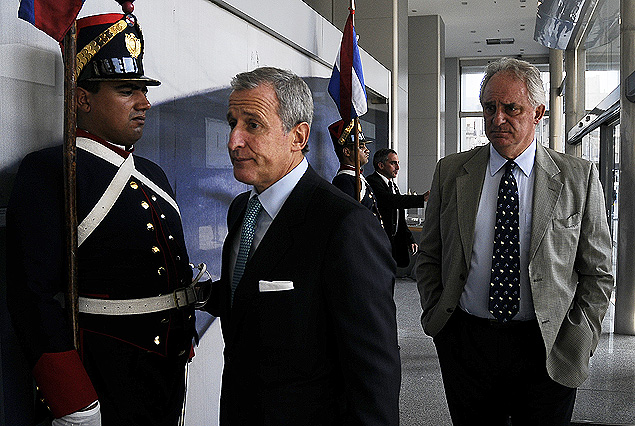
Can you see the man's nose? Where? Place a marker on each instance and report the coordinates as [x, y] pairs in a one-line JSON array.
[[235, 139], [499, 117], [143, 104]]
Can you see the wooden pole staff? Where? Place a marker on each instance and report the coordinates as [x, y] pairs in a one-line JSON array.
[[358, 180], [70, 169]]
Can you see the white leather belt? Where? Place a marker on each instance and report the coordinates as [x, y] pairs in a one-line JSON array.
[[178, 299]]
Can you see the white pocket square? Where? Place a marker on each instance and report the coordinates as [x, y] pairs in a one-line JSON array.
[[275, 285]]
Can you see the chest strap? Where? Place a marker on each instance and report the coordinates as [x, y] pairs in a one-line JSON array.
[[126, 170]]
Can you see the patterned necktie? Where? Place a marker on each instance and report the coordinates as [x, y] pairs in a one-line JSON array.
[[504, 291], [246, 237]]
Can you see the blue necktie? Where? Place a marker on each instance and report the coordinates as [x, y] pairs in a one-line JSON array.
[[246, 237], [504, 291]]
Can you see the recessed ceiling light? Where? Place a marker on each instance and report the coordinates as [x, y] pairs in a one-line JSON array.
[[473, 31], [464, 3]]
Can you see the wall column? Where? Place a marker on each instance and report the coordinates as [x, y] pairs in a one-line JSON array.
[[625, 283], [556, 138], [426, 98]]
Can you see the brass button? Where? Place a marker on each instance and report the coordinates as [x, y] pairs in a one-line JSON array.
[[154, 198], [134, 185], [145, 205], [178, 257], [156, 249], [157, 341], [161, 270], [150, 226], [164, 321], [182, 353], [170, 237], [162, 216]]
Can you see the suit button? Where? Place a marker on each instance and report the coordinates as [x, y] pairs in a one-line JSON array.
[[449, 310]]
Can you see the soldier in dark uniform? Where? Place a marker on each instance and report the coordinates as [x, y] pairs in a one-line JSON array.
[[136, 315], [344, 145]]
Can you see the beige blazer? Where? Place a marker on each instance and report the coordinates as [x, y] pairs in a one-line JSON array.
[[570, 269]]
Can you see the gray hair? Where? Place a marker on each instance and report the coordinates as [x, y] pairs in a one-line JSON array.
[[524, 71], [295, 102]]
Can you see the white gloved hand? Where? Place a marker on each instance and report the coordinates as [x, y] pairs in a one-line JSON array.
[[90, 417]]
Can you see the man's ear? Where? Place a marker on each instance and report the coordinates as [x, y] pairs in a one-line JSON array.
[[539, 113], [300, 136], [381, 166], [83, 100]]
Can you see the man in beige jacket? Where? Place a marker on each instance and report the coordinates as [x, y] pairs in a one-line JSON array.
[[514, 270]]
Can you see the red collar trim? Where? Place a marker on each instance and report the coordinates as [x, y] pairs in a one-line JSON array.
[[84, 134], [349, 167]]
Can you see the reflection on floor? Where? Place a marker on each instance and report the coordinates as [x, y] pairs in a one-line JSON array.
[[606, 398]]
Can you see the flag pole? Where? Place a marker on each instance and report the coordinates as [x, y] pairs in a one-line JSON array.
[[70, 177], [358, 180]]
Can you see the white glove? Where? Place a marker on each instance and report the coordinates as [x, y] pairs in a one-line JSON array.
[[90, 417]]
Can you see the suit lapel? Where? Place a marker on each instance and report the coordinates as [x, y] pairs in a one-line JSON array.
[[274, 247], [468, 193], [544, 201]]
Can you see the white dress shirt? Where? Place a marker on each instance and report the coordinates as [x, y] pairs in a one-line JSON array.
[[475, 297]]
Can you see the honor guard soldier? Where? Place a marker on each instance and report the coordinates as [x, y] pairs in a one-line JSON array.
[[344, 145], [136, 311]]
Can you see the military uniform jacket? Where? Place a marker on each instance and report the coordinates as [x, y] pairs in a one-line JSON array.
[[137, 250], [345, 181]]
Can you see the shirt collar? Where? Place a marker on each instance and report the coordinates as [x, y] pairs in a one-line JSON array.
[[274, 197], [524, 161], [384, 178]]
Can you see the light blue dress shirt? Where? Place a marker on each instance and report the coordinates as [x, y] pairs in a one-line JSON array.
[[474, 299], [272, 200]]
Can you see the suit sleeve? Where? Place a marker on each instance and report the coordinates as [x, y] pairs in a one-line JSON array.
[[36, 283], [360, 279], [388, 200], [593, 262], [428, 266]]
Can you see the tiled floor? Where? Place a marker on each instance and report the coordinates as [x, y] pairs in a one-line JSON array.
[[606, 398]]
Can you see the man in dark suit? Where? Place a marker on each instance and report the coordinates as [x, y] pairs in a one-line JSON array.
[[135, 321], [514, 270], [392, 204], [305, 295]]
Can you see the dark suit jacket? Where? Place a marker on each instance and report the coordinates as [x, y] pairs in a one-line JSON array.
[[391, 208], [324, 352]]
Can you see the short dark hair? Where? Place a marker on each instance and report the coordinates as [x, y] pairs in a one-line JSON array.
[[381, 156]]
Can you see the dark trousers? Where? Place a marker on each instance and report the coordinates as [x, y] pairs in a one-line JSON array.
[[496, 372]]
